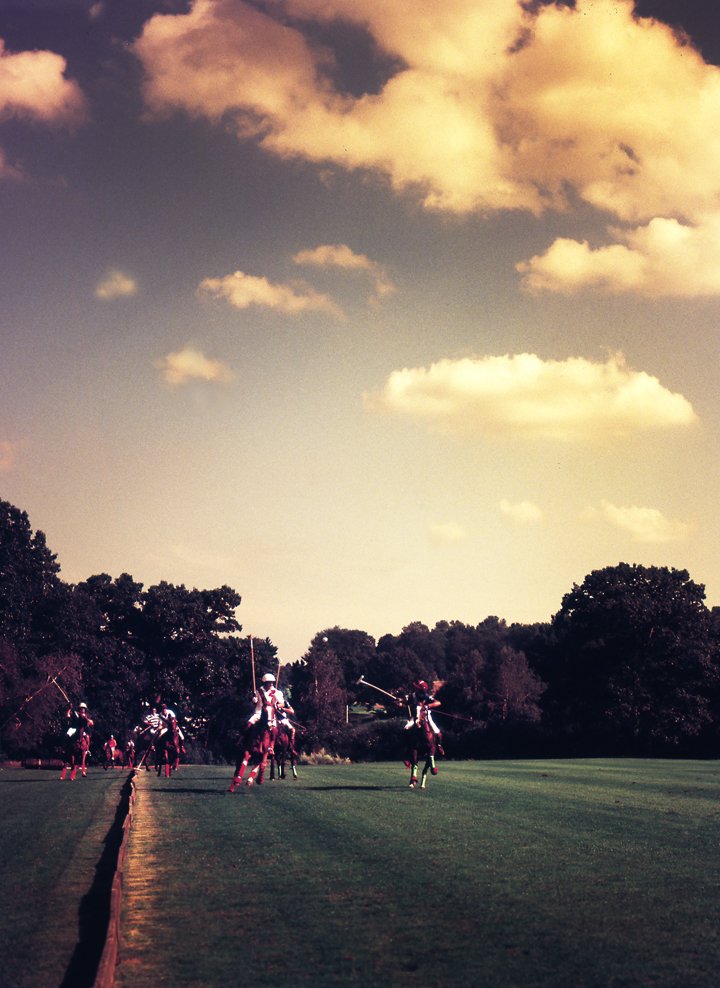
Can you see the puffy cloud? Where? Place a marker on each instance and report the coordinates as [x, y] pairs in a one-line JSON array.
[[114, 284], [190, 364], [244, 290], [521, 512], [663, 258], [492, 105], [341, 256], [447, 533], [644, 524], [524, 396], [33, 84]]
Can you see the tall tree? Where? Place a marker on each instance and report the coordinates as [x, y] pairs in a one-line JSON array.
[[635, 666], [28, 578]]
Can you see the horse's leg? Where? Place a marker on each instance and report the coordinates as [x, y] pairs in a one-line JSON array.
[[73, 768], [413, 770], [83, 763], [262, 767], [243, 760]]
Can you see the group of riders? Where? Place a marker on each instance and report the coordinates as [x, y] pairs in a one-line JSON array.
[[158, 734], [269, 735], [267, 738]]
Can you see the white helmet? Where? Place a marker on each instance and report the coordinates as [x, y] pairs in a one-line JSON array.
[[268, 678], [80, 705]]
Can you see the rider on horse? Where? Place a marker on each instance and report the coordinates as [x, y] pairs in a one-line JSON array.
[[424, 734], [167, 715], [421, 701], [77, 740], [269, 703], [270, 709]]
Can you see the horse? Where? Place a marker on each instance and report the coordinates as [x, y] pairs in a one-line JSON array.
[[168, 749], [129, 754], [283, 752], [255, 746], [75, 754], [112, 756], [144, 745], [421, 742]]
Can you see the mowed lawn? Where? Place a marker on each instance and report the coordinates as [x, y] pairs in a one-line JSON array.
[[52, 838], [556, 873]]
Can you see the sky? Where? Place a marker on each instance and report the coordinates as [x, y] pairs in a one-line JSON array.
[[377, 311]]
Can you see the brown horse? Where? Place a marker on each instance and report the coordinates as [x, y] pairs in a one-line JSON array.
[[421, 742], [256, 745], [144, 746], [112, 756], [168, 749], [75, 754], [283, 752]]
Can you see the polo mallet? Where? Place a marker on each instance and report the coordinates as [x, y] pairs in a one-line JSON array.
[[54, 680], [363, 682], [252, 663]]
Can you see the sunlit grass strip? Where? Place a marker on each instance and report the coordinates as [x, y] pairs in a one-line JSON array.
[[51, 839], [525, 873]]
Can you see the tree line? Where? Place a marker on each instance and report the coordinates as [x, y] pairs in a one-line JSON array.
[[629, 665]]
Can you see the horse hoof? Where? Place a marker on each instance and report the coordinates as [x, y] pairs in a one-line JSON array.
[[434, 770], [413, 783]]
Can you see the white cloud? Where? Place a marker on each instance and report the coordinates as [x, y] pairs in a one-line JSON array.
[[244, 290], [524, 396], [521, 512], [663, 258], [33, 85], [343, 257], [644, 524], [447, 533], [190, 364], [115, 284], [492, 107]]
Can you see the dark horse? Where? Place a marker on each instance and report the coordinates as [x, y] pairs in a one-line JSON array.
[[75, 754], [256, 745], [144, 746], [168, 749], [421, 742], [283, 752], [112, 756]]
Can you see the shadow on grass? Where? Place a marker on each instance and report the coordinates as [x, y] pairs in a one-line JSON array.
[[94, 911], [195, 791]]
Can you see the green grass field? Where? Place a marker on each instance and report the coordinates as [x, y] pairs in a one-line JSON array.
[[557, 873], [52, 841]]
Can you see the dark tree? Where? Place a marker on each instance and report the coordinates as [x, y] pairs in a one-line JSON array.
[[28, 578], [634, 668]]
